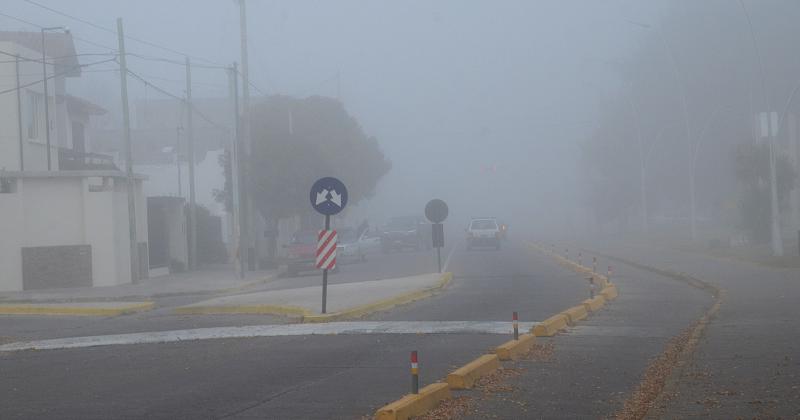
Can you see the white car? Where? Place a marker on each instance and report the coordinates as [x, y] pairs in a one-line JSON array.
[[483, 231], [352, 248]]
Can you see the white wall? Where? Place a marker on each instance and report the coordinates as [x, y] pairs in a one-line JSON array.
[[62, 211]]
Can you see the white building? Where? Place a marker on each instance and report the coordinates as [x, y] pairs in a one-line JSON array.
[[62, 224]]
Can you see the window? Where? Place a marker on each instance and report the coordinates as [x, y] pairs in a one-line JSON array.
[[33, 113]]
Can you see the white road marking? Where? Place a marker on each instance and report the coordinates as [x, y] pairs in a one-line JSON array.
[[277, 330]]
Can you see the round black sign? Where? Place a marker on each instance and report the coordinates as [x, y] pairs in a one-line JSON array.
[[328, 196], [436, 211]]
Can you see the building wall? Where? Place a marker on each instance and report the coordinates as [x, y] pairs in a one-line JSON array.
[[64, 211], [34, 149]]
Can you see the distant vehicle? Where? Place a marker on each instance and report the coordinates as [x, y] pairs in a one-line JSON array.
[[483, 232], [301, 252], [406, 232], [353, 248], [503, 231]]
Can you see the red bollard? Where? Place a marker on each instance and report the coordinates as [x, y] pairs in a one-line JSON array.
[[515, 319], [414, 373]]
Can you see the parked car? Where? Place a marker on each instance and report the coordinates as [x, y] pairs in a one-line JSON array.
[[405, 232], [483, 232], [301, 252], [353, 247]]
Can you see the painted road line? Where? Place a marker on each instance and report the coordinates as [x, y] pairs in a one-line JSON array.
[[277, 330]]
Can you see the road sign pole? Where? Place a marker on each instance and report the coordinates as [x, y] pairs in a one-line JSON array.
[[325, 273], [439, 258]]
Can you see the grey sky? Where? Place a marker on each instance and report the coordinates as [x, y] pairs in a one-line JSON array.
[[448, 87]]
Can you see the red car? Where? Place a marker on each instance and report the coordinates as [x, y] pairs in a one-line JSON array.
[[301, 252]]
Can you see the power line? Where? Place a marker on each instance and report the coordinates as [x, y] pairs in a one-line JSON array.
[[2, 92], [174, 96], [112, 31], [73, 36]]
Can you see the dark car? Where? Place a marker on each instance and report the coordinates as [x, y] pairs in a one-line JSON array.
[[405, 232]]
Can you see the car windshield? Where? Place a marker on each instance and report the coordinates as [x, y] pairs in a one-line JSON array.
[[305, 237], [347, 236], [401, 223], [483, 224]]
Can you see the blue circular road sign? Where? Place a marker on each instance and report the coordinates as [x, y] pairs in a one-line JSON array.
[[328, 196]]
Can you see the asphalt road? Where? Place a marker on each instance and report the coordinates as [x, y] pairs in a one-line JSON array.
[[340, 376], [377, 267]]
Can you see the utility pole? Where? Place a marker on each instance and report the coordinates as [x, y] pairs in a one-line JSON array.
[[777, 241], [247, 214], [19, 117], [126, 122], [190, 159], [236, 173]]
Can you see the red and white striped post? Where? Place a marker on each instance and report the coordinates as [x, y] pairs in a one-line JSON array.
[[515, 319], [414, 373]]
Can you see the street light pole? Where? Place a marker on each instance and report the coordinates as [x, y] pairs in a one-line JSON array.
[[685, 104], [777, 241], [46, 96]]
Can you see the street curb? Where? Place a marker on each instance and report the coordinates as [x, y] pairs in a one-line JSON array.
[[414, 404], [610, 292], [511, 350], [466, 376], [593, 305], [262, 280], [550, 326], [306, 316], [51, 309], [243, 309], [575, 314]]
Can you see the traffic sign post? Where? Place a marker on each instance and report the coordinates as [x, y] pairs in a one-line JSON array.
[[328, 196], [436, 211]]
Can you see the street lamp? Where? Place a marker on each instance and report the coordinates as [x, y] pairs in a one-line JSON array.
[[46, 97], [685, 102], [777, 242]]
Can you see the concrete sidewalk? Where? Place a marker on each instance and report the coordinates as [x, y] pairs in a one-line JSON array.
[[746, 365], [344, 300], [217, 279]]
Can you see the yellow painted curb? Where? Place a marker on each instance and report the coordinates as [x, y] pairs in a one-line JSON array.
[[415, 404], [550, 326], [310, 317], [53, 309], [575, 314], [511, 350], [465, 376], [595, 304], [610, 292], [243, 309], [391, 302]]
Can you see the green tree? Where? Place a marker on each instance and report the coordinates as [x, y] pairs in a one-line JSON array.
[[295, 142]]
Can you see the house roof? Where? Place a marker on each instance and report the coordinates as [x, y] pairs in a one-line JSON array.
[[58, 46], [76, 104]]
